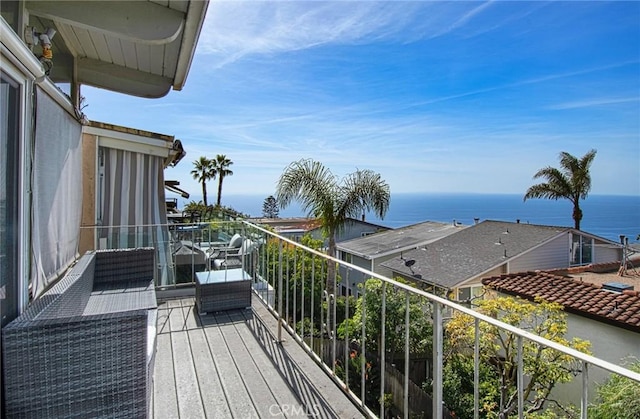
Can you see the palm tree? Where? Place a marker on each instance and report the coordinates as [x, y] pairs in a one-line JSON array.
[[572, 181], [324, 197], [220, 167], [202, 173]]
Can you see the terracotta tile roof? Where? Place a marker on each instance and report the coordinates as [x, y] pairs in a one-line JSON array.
[[582, 298]]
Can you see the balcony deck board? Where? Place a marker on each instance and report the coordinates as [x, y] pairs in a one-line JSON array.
[[228, 364]]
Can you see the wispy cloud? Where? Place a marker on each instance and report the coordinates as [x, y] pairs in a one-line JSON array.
[[587, 103], [464, 19], [234, 30]]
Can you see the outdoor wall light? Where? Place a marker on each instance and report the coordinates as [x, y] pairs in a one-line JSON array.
[[33, 37]]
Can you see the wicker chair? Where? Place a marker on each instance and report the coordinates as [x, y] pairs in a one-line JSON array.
[[86, 347]]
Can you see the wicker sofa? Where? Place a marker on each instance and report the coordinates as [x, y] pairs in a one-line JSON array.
[[85, 348]]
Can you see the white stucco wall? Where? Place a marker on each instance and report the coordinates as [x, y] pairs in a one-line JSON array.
[[610, 343]]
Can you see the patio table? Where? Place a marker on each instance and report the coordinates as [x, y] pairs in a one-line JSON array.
[[226, 289]]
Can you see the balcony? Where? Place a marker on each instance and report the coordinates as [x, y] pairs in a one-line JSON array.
[[231, 364], [289, 350]]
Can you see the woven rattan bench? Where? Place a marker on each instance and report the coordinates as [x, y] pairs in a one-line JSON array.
[[85, 348]]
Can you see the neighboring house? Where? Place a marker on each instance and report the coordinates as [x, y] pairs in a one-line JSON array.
[[351, 229], [370, 251], [454, 265], [295, 227], [292, 228], [140, 48], [609, 320], [172, 203], [123, 186]]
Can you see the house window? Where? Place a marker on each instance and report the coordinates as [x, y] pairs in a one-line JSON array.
[[9, 196], [464, 294], [581, 250]]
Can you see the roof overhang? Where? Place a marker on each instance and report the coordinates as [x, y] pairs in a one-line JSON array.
[[141, 48], [130, 139], [172, 186]]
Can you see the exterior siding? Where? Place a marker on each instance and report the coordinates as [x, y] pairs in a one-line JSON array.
[[357, 277], [552, 255], [352, 229], [381, 269], [604, 252], [476, 281]]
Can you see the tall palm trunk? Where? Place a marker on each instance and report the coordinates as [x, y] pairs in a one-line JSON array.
[[204, 192], [577, 214], [220, 177]]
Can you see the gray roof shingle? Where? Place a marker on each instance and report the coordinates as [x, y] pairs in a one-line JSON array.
[[472, 251], [393, 241]]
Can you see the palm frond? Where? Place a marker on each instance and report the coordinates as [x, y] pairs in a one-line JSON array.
[[364, 190], [310, 183]]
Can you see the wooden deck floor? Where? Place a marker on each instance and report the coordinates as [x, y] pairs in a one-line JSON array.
[[229, 365]]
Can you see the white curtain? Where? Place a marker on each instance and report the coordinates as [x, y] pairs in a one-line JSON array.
[[57, 191], [133, 205]]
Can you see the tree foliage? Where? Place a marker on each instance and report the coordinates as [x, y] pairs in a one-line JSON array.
[[322, 195], [543, 367], [304, 277], [270, 207], [571, 181], [368, 309], [618, 398]]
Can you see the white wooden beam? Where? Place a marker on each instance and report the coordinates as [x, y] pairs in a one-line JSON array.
[[137, 21], [121, 79]]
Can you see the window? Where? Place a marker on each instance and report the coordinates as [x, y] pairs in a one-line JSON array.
[[9, 196], [581, 250]]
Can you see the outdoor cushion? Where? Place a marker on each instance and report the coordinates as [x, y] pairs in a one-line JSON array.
[[236, 240]]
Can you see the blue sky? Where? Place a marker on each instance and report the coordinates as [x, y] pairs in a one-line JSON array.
[[435, 96]]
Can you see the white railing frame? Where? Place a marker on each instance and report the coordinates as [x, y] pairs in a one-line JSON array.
[[439, 305]]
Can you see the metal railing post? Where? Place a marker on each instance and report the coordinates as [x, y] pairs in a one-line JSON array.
[[520, 378], [363, 343], [295, 288], [476, 370], [288, 286], [313, 291], [279, 291], [584, 403], [346, 345], [302, 280], [437, 359], [383, 344], [406, 357]]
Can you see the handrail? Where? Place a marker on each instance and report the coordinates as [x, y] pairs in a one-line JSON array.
[[494, 322], [269, 272]]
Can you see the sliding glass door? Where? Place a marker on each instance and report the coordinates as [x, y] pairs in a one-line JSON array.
[[9, 196]]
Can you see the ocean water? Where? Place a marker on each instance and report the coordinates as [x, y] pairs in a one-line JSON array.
[[607, 216]]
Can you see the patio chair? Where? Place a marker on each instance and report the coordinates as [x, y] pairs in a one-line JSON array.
[[234, 257]]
